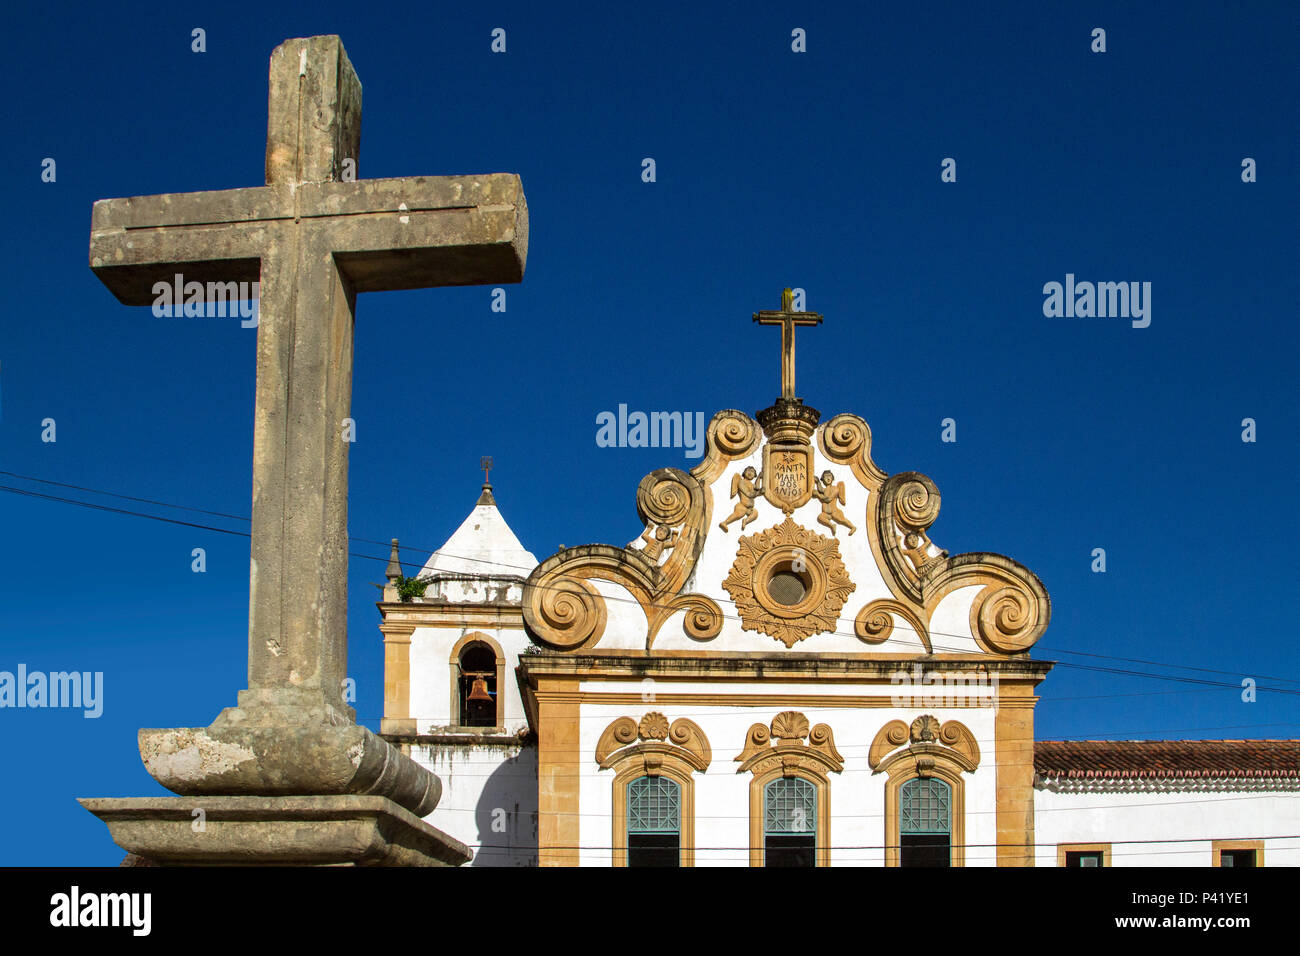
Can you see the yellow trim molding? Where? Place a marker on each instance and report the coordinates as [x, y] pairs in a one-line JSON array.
[[675, 751], [478, 637], [789, 757], [397, 679], [1102, 848], [1218, 846], [945, 751], [804, 771], [558, 771], [907, 766]]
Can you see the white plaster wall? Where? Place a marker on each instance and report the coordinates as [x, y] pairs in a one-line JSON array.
[[857, 798], [625, 623], [1193, 816], [430, 659], [476, 590], [489, 799], [950, 624]]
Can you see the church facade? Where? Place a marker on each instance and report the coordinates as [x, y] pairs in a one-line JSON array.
[[782, 669]]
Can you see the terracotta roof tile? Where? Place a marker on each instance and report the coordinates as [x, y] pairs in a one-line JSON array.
[[1121, 759]]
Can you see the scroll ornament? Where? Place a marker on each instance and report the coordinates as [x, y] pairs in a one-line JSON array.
[[562, 606], [925, 738], [653, 736], [1007, 615], [797, 746]]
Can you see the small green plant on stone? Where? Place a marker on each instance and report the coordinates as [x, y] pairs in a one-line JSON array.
[[410, 588]]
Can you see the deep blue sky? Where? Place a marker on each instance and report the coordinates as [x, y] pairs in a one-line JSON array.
[[818, 170]]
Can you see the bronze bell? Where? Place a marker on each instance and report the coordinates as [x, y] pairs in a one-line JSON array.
[[479, 690]]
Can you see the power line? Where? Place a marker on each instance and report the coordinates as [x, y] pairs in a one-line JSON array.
[[965, 846], [369, 557]]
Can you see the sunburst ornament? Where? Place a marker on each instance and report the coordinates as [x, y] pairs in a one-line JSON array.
[[789, 583]]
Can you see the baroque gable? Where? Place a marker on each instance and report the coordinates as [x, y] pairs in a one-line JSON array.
[[785, 537], [719, 565]]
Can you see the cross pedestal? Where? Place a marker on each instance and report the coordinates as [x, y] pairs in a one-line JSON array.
[[314, 239]]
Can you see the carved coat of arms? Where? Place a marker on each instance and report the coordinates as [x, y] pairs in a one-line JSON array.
[[787, 476]]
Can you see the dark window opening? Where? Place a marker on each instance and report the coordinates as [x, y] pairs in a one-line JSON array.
[[790, 850], [478, 686], [653, 849], [1084, 858], [925, 823], [654, 822], [928, 849], [1236, 858], [790, 823]]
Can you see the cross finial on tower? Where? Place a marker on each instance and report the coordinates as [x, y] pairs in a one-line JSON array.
[[486, 464], [787, 318]]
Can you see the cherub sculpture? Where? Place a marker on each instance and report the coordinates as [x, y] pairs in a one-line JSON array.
[[831, 494], [663, 539], [746, 485]]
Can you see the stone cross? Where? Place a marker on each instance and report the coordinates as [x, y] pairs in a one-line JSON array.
[[315, 237], [787, 319]]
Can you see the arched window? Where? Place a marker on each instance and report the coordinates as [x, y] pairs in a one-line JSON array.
[[654, 822], [790, 822], [653, 790], [925, 823], [478, 704]]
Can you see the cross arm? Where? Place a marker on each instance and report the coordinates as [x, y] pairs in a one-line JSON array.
[[794, 318], [207, 236], [421, 231], [385, 234]]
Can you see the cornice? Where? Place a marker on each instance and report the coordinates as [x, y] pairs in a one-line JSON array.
[[774, 666]]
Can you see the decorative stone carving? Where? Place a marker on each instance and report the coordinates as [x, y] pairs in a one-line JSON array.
[[1007, 616], [790, 752], [663, 538], [799, 558], [651, 739], [788, 479], [746, 485], [790, 725], [924, 728], [831, 494], [875, 623], [916, 548], [564, 610], [653, 726], [703, 618], [927, 741], [731, 435], [846, 439]]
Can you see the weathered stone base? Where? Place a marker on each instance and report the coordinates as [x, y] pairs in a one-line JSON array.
[[284, 752], [275, 831]]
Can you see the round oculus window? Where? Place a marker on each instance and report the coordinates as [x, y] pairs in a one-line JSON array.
[[787, 588]]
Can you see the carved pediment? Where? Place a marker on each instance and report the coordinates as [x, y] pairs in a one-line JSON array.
[[651, 739], [924, 740], [787, 581], [797, 746]]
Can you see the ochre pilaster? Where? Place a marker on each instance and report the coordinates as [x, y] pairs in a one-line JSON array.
[[1013, 731], [397, 680], [558, 772]]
